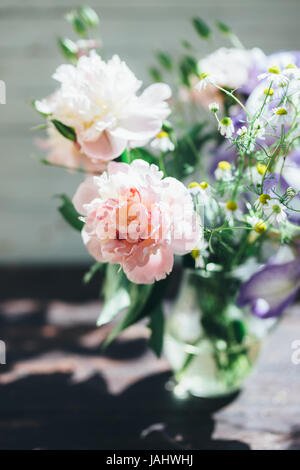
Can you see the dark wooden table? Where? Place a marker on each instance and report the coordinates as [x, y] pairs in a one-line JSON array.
[[59, 390]]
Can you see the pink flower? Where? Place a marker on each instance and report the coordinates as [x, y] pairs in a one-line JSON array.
[[99, 100], [64, 152], [136, 219]]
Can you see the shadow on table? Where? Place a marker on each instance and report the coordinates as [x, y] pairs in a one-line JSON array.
[[50, 412]]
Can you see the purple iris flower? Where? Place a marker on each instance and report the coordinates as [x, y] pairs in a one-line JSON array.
[[272, 289]]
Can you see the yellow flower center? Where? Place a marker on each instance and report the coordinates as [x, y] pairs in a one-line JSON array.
[[224, 165], [264, 198], [204, 185], [195, 253], [231, 206], [290, 66], [260, 227], [269, 91], [162, 134], [274, 69], [281, 112], [261, 168], [194, 184], [204, 75], [276, 208]]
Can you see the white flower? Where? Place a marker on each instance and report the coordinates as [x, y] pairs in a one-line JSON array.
[[291, 71], [162, 142], [275, 212], [262, 202], [258, 225], [275, 76], [200, 252], [201, 190], [99, 100], [232, 211], [204, 79], [226, 127], [280, 115], [231, 67], [223, 171], [214, 107]]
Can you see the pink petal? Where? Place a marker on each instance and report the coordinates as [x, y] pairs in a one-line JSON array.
[[159, 265], [94, 248], [137, 127], [86, 192], [106, 147]]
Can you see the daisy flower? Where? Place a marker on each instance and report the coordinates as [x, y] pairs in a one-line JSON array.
[[291, 71], [226, 127], [280, 115], [163, 142], [275, 211], [214, 107], [258, 225], [274, 75], [202, 190], [224, 171], [204, 79], [232, 211], [262, 202], [200, 252]]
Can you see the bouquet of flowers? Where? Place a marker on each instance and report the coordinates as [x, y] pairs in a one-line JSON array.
[[216, 185]]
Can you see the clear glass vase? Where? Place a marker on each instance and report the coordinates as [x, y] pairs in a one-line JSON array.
[[210, 343]]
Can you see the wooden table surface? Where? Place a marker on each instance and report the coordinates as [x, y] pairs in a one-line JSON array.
[[59, 390]]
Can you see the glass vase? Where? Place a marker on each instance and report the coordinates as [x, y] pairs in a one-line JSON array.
[[211, 344]]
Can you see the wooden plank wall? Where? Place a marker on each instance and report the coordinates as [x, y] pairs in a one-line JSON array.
[[31, 231]]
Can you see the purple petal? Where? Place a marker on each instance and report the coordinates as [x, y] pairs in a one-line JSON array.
[[272, 289]]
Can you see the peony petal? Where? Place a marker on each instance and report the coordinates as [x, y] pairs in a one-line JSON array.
[[106, 147], [137, 127], [159, 265], [86, 192]]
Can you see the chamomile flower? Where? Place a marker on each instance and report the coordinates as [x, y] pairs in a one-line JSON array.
[[259, 226], [262, 202], [275, 212], [268, 94], [226, 127], [162, 142], [274, 75], [214, 107], [291, 71], [224, 171], [201, 190], [232, 211], [280, 115], [204, 79], [200, 252]]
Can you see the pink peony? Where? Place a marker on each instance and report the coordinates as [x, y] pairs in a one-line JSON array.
[[136, 219], [99, 100], [64, 152]]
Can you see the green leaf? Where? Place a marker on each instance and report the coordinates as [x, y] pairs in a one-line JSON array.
[[155, 74], [141, 153], [223, 28], [68, 48], [69, 212], [92, 271], [118, 302], [125, 156], [156, 326], [138, 297], [79, 26], [165, 60], [89, 16], [201, 27], [65, 131]]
